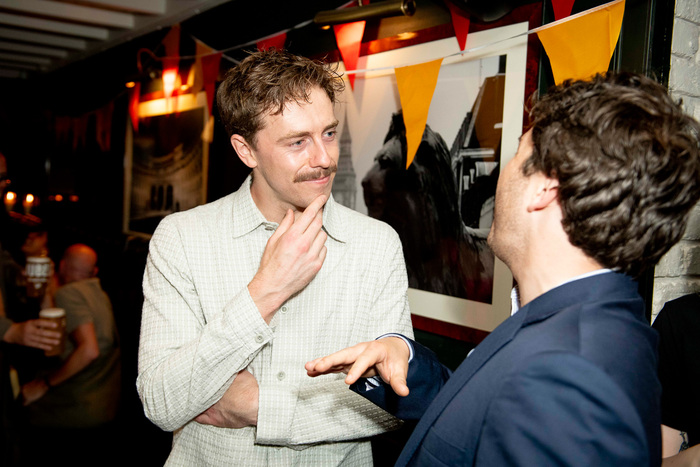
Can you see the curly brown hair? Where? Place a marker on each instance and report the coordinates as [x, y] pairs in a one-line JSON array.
[[627, 160], [264, 83]]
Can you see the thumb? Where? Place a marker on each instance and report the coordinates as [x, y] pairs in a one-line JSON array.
[[398, 384]]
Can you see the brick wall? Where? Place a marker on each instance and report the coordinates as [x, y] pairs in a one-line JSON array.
[[678, 273]]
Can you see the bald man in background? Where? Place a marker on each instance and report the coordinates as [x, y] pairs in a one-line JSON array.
[[75, 396]]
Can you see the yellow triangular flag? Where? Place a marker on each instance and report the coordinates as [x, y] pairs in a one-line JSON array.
[[416, 85], [581, 45]]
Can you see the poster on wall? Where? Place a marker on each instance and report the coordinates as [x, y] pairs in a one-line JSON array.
[[166, 161], [442, 204]]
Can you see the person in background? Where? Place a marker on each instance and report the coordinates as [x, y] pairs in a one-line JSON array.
[[599, 189], [36, 244], [35, 333], [75, 398], [240, 292], [678, 325]]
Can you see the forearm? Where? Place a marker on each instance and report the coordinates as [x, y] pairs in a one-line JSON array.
[[185, 367], [320, 410], [77, 362]]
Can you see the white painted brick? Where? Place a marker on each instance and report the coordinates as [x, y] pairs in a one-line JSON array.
[[668, 265], [685, 38], [684, 76], [688, 10], [692, 230], [669, 289], [690, 258]]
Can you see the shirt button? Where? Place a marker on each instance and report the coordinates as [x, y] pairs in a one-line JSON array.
[[281, 375], [269, 227], [284, 309], [259, 338]]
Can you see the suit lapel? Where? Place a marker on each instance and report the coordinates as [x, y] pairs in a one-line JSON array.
[[481, 354]]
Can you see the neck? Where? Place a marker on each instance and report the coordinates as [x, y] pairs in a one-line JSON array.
[[549, 269]]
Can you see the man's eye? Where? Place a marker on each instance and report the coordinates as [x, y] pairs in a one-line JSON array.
[[331, 134]]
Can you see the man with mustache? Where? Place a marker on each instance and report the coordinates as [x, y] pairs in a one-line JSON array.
[[240, 292]]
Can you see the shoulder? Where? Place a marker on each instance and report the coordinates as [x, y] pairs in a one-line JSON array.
[[361, 225], [564, 390], [200, 221]]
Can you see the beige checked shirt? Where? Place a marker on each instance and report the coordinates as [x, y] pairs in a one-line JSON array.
[[200, 327]]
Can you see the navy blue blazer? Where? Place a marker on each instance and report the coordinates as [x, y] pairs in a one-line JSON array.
[[568, 380]]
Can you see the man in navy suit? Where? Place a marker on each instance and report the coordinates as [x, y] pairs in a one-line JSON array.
[[598, 191]]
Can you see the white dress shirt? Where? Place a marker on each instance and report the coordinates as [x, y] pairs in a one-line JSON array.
[[200, 327]]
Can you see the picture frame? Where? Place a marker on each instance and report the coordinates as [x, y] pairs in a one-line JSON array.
[[166, 161], [365, 112]]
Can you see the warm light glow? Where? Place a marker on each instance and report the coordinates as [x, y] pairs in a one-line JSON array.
[[130, 84], [27, 203], [58, 198], [73, 198], [326, 27], [169, 77], [10, 200], [184, 88], [406, 35]]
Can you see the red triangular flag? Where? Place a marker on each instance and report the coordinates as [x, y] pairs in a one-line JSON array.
[[210, 71], [274, 42], [460, 23], [349, 38], [134, 98], [562, 8]]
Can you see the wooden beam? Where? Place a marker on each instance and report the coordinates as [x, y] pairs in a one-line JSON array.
[[146, 7], [44, 39], [66, 11], [45, 25], [32, 49], [25, 58]]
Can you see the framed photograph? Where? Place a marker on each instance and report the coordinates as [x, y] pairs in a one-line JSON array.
[[442, 205], [166, 160]]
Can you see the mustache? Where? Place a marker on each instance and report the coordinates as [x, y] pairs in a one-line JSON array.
[[316, 174]]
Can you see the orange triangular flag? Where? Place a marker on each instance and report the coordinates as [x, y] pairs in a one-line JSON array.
[[201, 50], [349, 38], [562, 8], [210, 71], [460, 23], [581, 45], [416, 85], [171, 42], [274, 42]]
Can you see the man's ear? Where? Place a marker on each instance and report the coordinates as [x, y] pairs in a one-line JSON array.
[[546, 194], [244, 150]]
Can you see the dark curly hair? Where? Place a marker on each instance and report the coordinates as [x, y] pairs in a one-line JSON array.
[[264, 83], [627, 160]]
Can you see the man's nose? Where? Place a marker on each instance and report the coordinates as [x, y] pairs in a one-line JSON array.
[[320, 155]]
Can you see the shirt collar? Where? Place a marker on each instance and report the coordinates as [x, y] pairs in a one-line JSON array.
[[247, 217], [515, 292]]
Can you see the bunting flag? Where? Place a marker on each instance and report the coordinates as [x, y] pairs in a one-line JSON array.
[[201, 50], [581, 45], [562, 8], [460, 23], [416, 85], [134, 98], [210, 72], [274, 42], [349, 38]]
